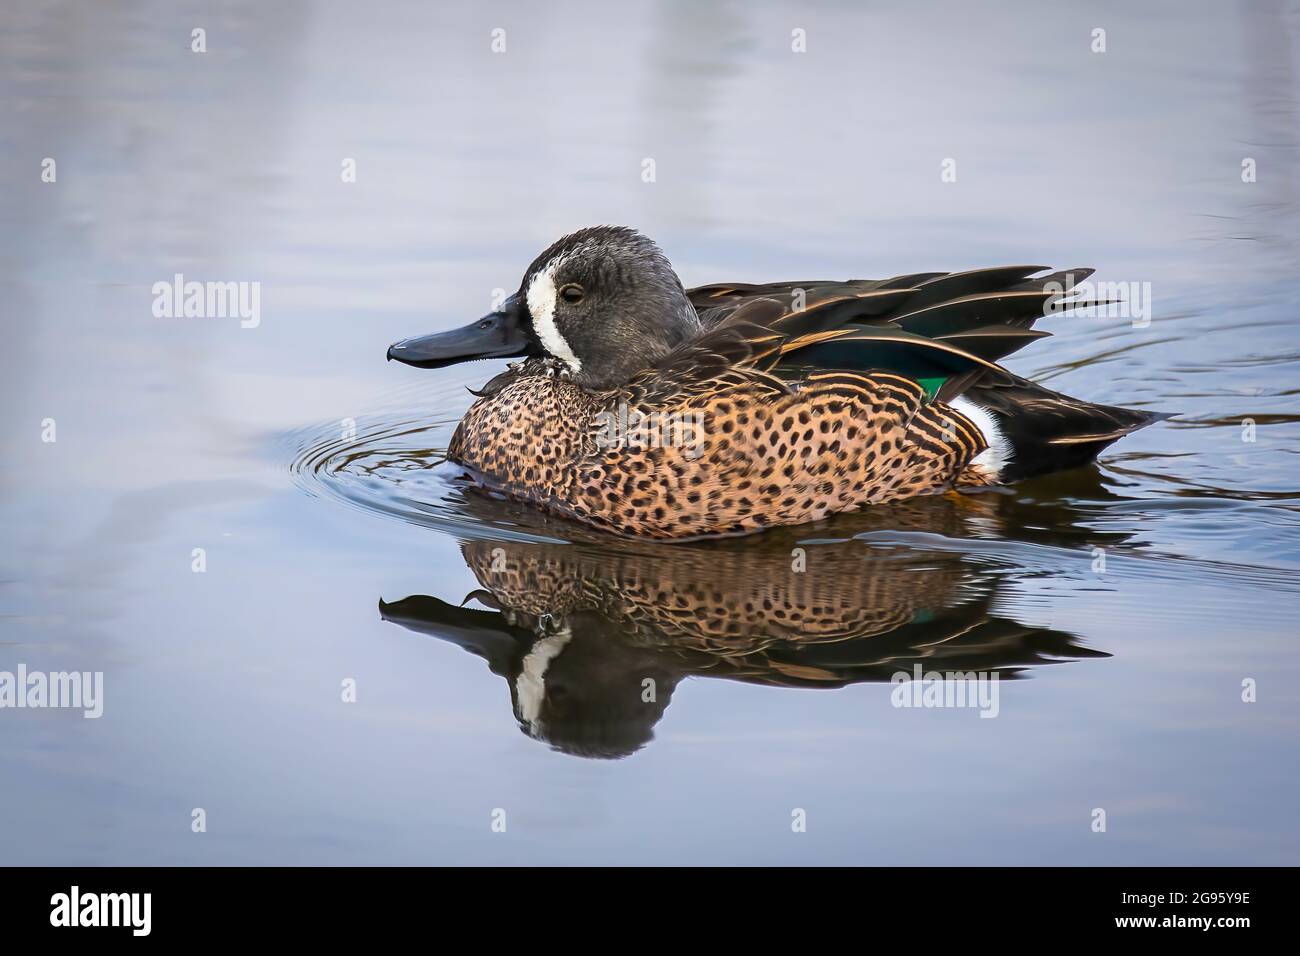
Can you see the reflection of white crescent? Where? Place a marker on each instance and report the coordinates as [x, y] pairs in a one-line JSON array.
[[530, 685]]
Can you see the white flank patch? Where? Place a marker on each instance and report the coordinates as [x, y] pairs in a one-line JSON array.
[[541, 304], [530, 685], [995, 457]]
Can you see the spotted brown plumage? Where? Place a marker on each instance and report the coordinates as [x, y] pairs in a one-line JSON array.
[[725, 603], [645, 409], [770, 454]]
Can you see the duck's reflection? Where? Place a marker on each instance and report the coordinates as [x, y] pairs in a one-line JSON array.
[[593, 639]]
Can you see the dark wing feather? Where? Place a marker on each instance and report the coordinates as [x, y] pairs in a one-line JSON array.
[[960, 323], [885, 348], [739, 347], [953, 326], [956, 285], [807, 307], [992, 342], [971, 312]]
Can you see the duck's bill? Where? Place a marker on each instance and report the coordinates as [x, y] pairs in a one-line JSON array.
[[496, 335]]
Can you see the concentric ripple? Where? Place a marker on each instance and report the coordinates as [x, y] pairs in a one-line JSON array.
[[393, 462]]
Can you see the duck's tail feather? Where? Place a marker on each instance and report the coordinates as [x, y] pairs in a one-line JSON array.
[[1048, 431]]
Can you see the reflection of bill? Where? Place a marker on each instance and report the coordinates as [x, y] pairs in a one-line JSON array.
[[593, 641], [629, 428]]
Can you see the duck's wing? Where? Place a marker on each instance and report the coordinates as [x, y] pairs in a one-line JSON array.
[[947, 331]]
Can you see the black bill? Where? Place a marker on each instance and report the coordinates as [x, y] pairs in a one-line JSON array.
[[496, 335]]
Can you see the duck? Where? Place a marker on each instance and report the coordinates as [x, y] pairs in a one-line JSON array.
[[644, 409]]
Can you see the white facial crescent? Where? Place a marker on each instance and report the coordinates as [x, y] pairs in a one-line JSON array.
[[541, 298]]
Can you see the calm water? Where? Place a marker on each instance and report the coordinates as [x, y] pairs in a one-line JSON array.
[[1122, 607]]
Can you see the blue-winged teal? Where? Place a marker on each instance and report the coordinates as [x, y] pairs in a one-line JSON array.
[[647, 409]]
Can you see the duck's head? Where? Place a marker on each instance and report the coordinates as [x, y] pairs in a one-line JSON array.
[[603, 303]]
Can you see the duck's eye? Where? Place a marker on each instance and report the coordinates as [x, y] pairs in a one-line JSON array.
[[572, 293]]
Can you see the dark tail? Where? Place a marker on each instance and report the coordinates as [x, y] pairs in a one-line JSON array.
[[1050, 431]]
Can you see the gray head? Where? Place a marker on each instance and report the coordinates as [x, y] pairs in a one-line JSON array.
[[603, 302], [606, 303]]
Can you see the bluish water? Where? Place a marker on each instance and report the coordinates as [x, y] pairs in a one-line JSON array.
[[1121, 606]]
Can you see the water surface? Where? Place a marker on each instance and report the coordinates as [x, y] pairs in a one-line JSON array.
[[1122, 606]]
